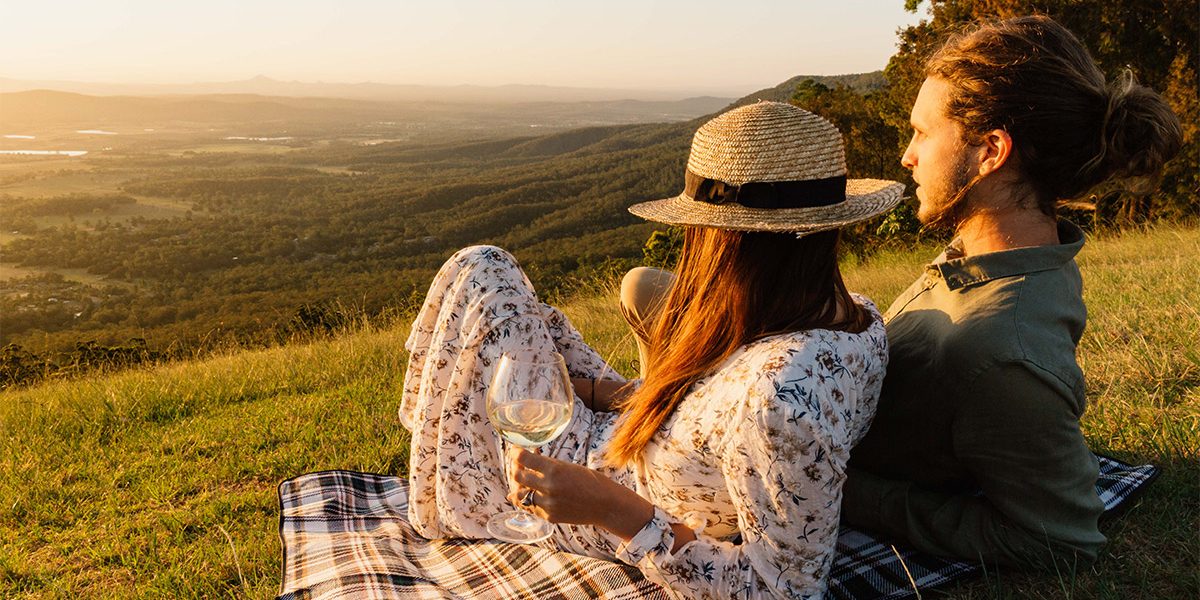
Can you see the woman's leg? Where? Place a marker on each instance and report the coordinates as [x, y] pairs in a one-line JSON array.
[[643, 290], [582, 360], [480, 305]]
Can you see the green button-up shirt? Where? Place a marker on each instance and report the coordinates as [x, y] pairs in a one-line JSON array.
[[983, 393]]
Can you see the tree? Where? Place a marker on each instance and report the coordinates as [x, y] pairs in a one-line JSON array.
[[662, 248], [869, 140], [873, 149]]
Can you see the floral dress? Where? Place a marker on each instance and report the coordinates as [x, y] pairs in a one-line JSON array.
[[752, 460]]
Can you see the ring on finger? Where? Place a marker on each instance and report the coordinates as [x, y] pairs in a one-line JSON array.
[[527, 500]]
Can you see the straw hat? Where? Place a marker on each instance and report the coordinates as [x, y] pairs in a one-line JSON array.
[[771, 166]]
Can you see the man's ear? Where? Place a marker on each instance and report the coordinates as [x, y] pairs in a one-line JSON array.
[[996, 150]]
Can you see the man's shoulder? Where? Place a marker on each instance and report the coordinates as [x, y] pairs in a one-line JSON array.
[[1026, 318], [962, 327], [1027, 325]]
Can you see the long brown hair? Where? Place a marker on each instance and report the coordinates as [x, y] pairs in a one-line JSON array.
[[1071, 129], [731, 288]]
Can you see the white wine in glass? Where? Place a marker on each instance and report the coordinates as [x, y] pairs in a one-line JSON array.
[[529, 402]]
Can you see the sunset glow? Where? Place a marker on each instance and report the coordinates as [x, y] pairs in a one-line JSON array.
[[703, 45]]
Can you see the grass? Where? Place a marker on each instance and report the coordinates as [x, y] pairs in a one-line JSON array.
[[75, 179], [145, 207], [161, 483], [11, 271], [27, 167]]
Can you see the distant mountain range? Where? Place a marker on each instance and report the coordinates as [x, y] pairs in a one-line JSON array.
[[262, 99], [265, 86], [49, 107]]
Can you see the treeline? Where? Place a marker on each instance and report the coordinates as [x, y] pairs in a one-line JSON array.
[[70, 204], [20, 366]]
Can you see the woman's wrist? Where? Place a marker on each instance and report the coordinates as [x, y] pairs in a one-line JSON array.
[[585, 388], [627, 514]]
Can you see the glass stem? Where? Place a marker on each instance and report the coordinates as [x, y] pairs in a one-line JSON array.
[[523, 519]]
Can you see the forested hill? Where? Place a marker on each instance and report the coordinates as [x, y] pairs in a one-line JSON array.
[[862, 83], [179, 241], [187, 248]]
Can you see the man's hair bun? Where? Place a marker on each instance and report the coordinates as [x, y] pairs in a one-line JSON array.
[[1140, 131]]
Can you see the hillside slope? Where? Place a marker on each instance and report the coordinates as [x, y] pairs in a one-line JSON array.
[[229, 236], [861, 82], [161, 483]]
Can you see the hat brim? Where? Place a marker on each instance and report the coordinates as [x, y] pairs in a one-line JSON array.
[[865, 198]]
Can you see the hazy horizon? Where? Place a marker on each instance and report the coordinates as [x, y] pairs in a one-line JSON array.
[[667, 45], [167, 88], [728, 93]]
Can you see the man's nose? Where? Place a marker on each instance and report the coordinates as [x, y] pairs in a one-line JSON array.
[[908, 160]]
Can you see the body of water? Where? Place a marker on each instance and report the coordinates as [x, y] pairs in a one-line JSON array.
[[20, 137], [258, 139], [96, 132]]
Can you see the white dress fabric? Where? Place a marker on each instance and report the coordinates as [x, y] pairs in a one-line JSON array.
[[753, 459]]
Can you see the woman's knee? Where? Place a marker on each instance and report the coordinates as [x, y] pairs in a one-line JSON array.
[[483, 253], [642, 290], [483, 258]]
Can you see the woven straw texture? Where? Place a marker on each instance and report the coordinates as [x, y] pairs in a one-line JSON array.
[[767, 141], [771, 141]]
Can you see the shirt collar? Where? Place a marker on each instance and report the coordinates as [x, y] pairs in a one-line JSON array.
[[960, 271]]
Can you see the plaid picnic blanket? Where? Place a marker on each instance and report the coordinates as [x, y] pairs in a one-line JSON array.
[[345, 535]]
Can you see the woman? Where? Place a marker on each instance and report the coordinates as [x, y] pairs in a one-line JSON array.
[[721, 474]]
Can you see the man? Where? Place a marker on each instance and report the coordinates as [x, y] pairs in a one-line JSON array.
[[983, 392], [975, 451]]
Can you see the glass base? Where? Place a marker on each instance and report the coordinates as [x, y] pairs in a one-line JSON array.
[[519, 527]]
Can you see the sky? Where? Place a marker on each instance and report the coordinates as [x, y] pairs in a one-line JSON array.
[[629, 44]]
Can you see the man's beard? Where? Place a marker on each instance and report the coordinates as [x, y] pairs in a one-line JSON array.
[[952, 213]]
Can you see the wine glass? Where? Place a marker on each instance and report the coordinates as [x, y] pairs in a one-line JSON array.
[[529, 402]]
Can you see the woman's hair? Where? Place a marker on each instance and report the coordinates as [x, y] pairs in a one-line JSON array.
[[1071, 130], [731, 288]]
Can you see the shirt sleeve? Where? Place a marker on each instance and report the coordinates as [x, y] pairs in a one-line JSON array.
[[785, 482], [1017, 434]]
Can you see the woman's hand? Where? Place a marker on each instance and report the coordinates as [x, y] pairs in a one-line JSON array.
[[565, 492]]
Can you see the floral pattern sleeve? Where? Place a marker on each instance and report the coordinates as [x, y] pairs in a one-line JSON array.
[[785, 480]]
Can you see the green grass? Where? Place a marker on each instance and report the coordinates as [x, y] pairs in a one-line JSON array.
[[161, 483], [10, 271], [145, 207], [80, 178]]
